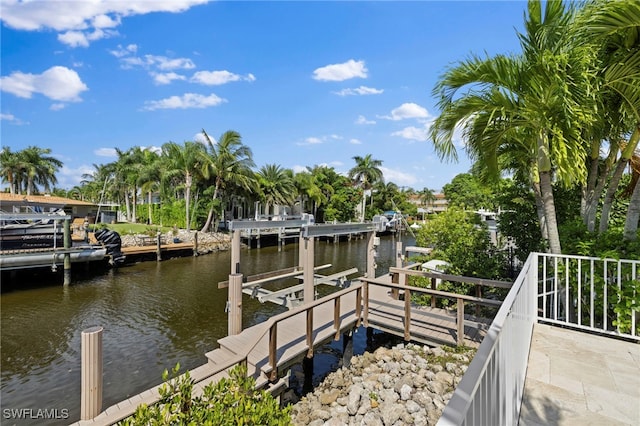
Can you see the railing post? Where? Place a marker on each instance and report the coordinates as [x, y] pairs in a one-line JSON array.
[[235, 251], [273, 351], [460, 337], [91, 373], [358, 306], [365, 296], [433, 296], [336, 317], [407, 314], [309, 332]]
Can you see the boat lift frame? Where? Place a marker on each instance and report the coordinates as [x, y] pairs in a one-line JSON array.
[[308, 232]]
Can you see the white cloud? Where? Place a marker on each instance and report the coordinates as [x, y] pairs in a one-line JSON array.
[[216, 78], [57, 83], [69, 177], [200, 137], [362, 120], [412, 133], [313, 140], [407, 110], [398, 177], [362, 90], [105, 152], [186, 101], [153, 148], [82, 21], [299, 169], [121, 52], [355, 141], [166, 78], [57, 107], [12, 119], [341, 72], [164, 63]]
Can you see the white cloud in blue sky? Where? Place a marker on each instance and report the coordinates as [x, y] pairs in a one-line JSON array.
[[77, 75]]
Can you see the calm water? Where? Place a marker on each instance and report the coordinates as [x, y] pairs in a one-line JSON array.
[[154, 315]]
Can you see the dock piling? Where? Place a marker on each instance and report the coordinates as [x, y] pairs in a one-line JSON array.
[[67, 255], [91, 372], [158, 247]]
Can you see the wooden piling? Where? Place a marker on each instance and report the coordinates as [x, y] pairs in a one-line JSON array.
[[67, 255], [91, 373], [308, 272], [158, 247], [235, 304], [195, 244]]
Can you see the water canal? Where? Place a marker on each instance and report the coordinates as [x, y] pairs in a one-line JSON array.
[[154, 315]]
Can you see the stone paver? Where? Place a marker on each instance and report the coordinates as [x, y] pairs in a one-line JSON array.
[[576, 378]]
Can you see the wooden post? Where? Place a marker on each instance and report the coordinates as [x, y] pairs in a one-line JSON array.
[[460, 340], [310, 333], [433, 296], [396, 277], [347, 348], [371, 260], [235, 304], [195, 244], [301, 252], [158, 248], [309, 287], [336, 317], [273, 350], [91, 373], [407, 315], [67, 255], [235, 251]]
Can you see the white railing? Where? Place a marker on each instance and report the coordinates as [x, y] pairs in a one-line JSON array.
[[585, 293], [491, 389], [575, 291]]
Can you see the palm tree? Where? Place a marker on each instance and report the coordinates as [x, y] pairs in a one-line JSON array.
[[182, 164], [275, 186], [614, 29], [38, 168], [532, 106], [149, 178], [366, 173], [228, 162], [10, 168]]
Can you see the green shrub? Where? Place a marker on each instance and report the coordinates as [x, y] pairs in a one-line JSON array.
[[232, 402]]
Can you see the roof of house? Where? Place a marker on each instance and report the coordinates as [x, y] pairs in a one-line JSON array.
[[42, 200]]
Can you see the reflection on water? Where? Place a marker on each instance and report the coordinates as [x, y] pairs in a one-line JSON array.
[[154, 315]]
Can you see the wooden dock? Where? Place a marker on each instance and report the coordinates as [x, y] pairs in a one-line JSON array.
[[270, 348], [150, 249]]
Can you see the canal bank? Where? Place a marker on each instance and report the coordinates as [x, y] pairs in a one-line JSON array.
[[155, 314]]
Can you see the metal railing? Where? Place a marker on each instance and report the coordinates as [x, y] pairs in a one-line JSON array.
[[589, 293], [586, 293], [491, 389]]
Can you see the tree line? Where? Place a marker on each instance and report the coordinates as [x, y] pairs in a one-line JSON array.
[[192, 184]]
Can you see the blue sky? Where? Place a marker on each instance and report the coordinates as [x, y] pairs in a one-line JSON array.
[[304, 83]]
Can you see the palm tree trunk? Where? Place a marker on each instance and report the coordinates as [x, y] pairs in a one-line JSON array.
[[611, 192], [633, 216], [149, 209], [207, 224], [542, 220], [187, 199], [135, 204], [546, 191], [588, 192], [625, 156]]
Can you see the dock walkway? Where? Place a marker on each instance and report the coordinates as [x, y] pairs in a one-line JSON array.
[[295, 333]]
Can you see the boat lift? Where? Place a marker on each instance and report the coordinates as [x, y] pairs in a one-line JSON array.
[[305, 271]]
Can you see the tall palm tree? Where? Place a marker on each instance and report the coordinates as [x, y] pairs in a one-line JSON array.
[[365, 174], [39, 168], [228, 163], [532, 106], [275, 186], [183, 163], [10, 168], [614, 29], [149, 178]]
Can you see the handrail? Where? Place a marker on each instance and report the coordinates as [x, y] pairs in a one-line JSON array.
[[268, 327], [455, 278], [460, 299]]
